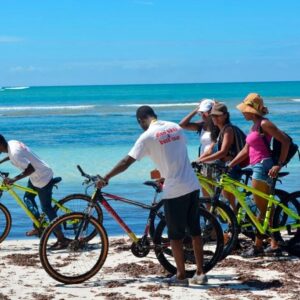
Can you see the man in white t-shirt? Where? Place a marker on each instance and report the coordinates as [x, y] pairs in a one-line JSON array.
[[165, 144], [40, 179]]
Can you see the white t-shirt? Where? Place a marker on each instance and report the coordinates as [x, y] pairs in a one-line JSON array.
[[21, 156], [165, 144]]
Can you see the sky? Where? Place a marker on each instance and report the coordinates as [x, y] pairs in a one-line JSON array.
[[65, 42]]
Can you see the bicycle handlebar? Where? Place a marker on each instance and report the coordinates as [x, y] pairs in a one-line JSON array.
[[218, 166], [4, 174], [90, 178]]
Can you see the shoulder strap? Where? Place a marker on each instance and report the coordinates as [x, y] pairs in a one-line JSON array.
[[239, 138], [267, 144], [221, 133]]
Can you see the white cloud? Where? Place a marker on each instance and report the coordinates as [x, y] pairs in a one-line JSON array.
[[10, 39]]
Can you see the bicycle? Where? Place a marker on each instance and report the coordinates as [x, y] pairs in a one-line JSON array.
[[279, 224], [232, 223], [86, 254], [70, 203]]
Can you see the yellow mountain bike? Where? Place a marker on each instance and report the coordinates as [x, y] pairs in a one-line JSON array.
[[70, 203], [234, 224], [286, 217]]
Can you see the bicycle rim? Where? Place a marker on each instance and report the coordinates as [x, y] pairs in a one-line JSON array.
[[5, 222], [83, 257], [229, 225], [283, 219], [78, 203]]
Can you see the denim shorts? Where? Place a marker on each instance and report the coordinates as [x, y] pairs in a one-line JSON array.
[[261, 170]]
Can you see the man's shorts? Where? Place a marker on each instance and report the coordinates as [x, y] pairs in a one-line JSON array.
[[261, 170], [182, 214]]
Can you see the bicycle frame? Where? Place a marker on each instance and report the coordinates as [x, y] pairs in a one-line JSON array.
[[11, 190], [232, 186], [101, 197]]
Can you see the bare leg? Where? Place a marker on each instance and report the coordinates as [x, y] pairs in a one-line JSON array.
[[231, 200], [262, 206], [177, 250], [198, 252]]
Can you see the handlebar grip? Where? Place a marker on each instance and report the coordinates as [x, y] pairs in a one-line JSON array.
[[80, 170], [4, 174]]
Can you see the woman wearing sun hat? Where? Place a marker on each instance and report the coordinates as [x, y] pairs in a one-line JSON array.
[[257, 148], [208, 132]]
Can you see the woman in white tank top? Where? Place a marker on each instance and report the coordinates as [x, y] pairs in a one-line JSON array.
[[207, 131]]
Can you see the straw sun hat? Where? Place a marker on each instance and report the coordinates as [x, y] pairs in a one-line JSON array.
[[253, 104]]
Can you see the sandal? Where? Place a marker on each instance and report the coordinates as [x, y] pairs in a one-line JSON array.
[[253, 252], [59, 245], [33, 232], [174, 281]]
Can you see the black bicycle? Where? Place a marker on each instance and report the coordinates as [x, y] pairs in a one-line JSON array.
[[87, 246]]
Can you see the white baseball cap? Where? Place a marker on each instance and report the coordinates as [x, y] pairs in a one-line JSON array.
[[206, 105]]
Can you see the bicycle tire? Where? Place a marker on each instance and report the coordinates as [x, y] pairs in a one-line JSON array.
[[154, 220], [225, 215], [295, 194], [78, 203], [163, 250], [280, 218], [7, 220], [82, 258]]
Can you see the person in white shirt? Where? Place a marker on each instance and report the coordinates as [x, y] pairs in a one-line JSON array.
[[165, 144], [40, 179]]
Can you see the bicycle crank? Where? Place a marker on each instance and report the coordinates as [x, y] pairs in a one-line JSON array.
[[141, 248]]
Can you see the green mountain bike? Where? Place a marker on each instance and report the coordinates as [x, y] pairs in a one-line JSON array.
[[70, 203]]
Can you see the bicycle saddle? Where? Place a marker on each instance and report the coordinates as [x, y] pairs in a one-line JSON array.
[[248, 172], [282, 174], [56, 180], [155, 185]]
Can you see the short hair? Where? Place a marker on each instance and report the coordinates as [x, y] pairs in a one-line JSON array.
[[3, 140], [145, 111]]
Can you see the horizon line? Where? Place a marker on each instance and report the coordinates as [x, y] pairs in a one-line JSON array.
[[170, 83]]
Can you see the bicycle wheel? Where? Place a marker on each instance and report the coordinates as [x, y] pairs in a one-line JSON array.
[[5, 222], [229, 225], [78, 203], [84, 255], [157, 216], [281, 218], [212, 239]]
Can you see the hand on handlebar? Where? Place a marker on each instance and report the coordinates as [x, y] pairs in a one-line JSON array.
[[100, 183], [8, 181], [273, 172]]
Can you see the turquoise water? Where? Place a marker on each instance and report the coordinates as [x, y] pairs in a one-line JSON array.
[[95, 126]]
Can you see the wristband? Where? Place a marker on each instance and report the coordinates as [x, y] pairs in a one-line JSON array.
[[280, 164]]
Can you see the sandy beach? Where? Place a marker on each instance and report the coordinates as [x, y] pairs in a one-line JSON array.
[[125, 277]]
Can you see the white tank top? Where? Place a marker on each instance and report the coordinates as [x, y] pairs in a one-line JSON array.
[[205, 140]]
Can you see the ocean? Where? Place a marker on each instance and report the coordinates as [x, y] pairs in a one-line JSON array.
[[95, 126]]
